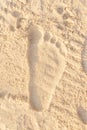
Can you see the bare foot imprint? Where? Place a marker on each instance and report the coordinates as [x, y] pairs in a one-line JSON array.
[[47, 64]]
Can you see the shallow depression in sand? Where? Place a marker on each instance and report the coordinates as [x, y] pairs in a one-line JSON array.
[[47, 64]]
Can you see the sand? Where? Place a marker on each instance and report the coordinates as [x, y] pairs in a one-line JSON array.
[[43, 65]]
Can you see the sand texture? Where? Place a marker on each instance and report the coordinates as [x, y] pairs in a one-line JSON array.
[[43, 65]]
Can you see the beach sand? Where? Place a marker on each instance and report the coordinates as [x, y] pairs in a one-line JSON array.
[[43, 65]]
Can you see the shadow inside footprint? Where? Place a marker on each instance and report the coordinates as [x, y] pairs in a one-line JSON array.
[[35, 37], [82, 114]]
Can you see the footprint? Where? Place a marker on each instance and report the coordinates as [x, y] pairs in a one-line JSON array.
[[47, 64]]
